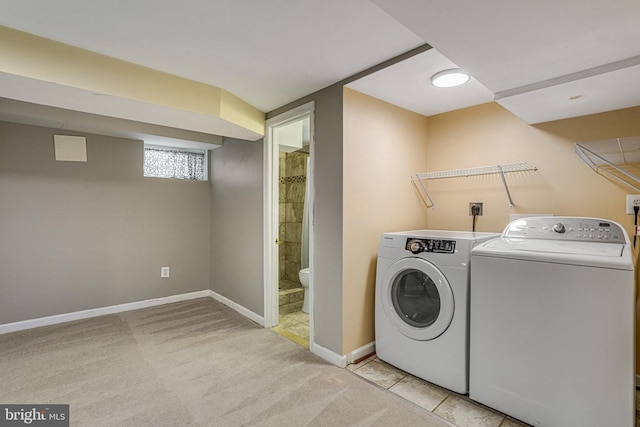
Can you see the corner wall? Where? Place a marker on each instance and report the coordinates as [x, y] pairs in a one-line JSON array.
[[77, 236], [236, 223]]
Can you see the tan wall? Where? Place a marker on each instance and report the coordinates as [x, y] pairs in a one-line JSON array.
[[563, 185], [383, 146]]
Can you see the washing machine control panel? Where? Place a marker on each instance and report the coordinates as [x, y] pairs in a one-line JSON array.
[[566, 228], [430, 245]]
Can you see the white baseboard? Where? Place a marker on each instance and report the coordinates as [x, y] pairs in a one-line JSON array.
[[237, 307], [328, 355], [94, 312], [344, 360], [361, 352]]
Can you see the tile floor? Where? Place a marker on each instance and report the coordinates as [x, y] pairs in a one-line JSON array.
[[294, 326], [457, 409], [293, 322]]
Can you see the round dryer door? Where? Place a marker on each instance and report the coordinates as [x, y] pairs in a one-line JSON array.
[[417, 299]]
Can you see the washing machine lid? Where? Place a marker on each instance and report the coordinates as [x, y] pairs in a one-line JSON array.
[[594, 254], [584, 241]]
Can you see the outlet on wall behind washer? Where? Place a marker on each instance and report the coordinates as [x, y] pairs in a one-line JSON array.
[[475, 208], [632, 200]]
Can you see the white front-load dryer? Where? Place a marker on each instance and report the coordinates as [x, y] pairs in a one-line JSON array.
[[422, 304]]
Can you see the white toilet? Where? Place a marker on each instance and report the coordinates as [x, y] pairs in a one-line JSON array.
[[303, 275]]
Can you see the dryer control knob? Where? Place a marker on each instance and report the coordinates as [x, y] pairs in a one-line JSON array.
[[416, 247], [558, 228]]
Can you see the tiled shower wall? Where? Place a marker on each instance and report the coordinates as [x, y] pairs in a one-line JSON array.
[[292, 187]]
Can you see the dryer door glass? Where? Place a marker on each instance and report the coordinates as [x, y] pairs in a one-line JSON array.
[[416, 298]]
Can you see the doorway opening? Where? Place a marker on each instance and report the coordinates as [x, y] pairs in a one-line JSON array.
[[288, 215]]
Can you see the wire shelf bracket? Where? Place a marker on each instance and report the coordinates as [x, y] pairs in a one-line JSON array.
[[598, 162], [501, 169]]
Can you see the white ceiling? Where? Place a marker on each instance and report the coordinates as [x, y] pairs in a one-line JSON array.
[[408, 84], [531, 56], [534, 56], [268, 53]]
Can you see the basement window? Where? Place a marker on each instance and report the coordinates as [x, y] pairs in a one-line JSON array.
[[170, 162]]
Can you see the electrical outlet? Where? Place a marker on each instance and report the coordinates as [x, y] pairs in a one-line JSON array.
[[164, 272], [475, 206], [632, 200]]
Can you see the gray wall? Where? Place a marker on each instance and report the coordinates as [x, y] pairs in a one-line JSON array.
[[328, 220], [330, 315], [237, 223], [76, 236], [327, 165]]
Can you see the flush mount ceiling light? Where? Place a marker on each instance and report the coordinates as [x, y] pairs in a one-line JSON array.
[[450, 78]]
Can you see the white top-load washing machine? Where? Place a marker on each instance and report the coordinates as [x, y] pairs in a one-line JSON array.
[[552, 323], [422, 307]]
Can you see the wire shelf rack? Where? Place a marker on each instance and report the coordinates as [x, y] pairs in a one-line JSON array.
[[615, 158], [501, 169]]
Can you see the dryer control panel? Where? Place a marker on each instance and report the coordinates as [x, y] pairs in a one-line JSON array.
[[566, 228], [441, 246]]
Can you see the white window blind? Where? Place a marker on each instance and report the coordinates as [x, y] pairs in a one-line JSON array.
[[165, 162]]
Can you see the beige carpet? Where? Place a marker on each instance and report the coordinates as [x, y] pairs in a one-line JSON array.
[[192, 363]]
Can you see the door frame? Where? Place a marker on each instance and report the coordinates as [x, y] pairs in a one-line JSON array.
[[271, 213]]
